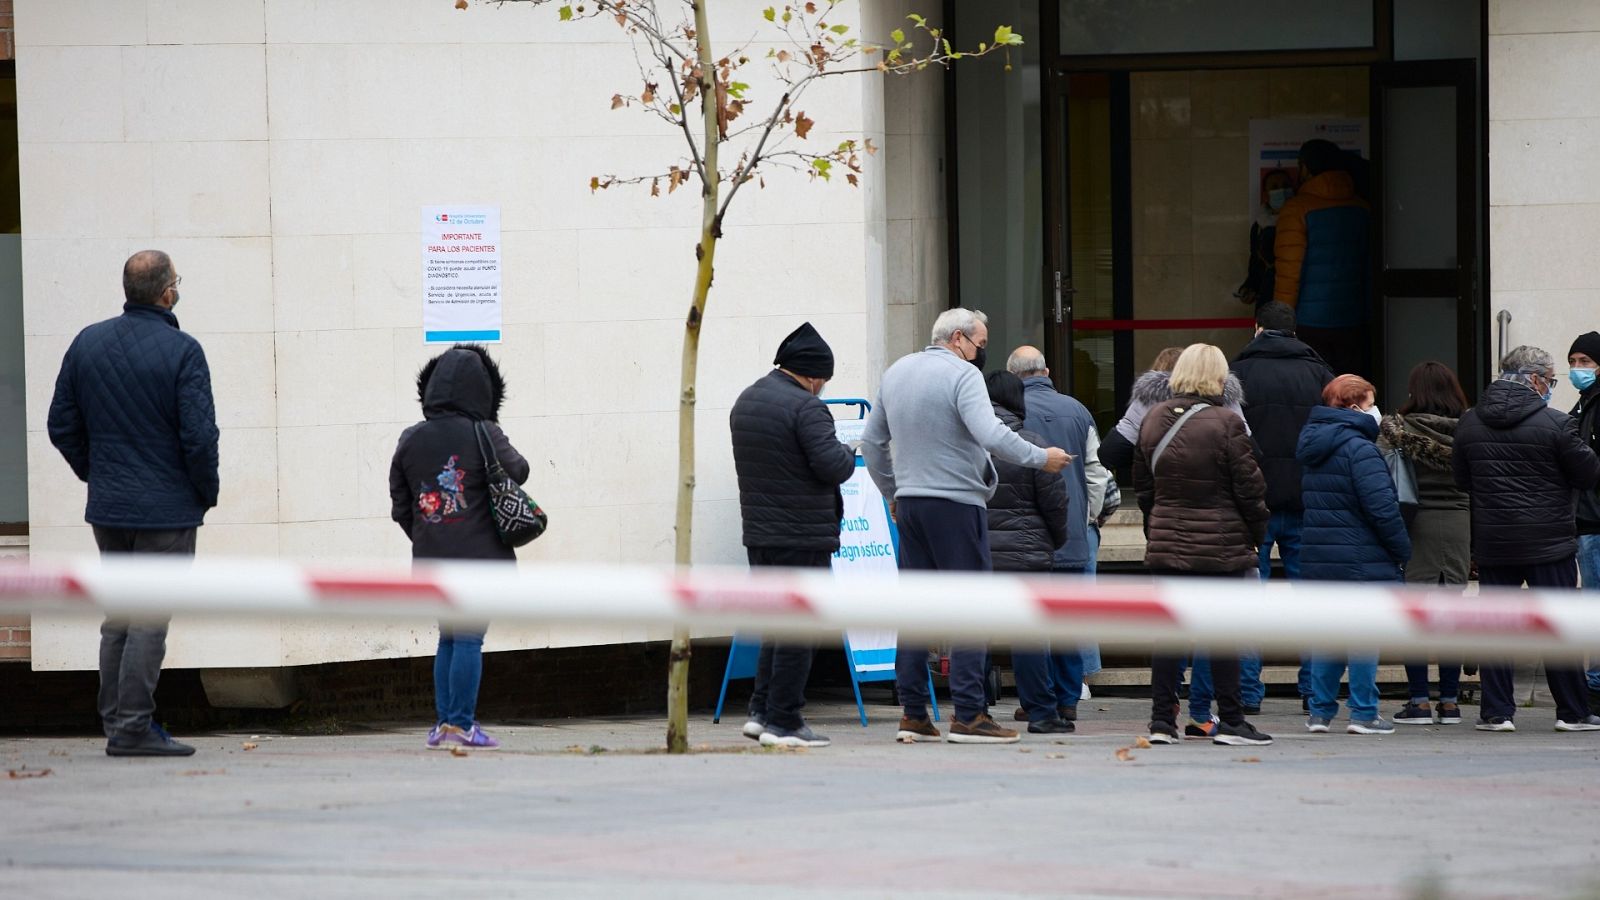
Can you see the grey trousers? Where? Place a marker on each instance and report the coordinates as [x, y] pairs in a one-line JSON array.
[[131, 651]]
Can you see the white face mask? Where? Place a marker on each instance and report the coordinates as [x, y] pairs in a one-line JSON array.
[[1374, 413], [1277, 198]]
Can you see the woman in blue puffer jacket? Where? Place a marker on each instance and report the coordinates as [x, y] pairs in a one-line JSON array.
[[1352, 532]]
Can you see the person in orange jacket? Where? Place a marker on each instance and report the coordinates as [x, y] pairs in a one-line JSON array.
[[1322, 255]]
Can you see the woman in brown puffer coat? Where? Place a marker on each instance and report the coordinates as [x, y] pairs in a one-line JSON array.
[[1208, 514]]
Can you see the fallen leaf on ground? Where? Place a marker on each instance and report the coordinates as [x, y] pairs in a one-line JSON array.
[[457, 751], [1023, 750], [59, 753], [1248, 759], [192, 772], [250, 745], [1055, 756], [27, 773], [1143, 743], [1124, 754]]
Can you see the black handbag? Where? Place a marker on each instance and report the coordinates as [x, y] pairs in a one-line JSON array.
[[517, 518]]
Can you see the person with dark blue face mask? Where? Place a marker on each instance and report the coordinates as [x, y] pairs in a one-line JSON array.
[[1582, 361]]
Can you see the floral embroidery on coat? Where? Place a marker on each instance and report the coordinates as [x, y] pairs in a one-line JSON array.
[[445, 503]]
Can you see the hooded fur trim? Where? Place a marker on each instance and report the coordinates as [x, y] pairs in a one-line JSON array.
[[1420, 448], [496, 381], [1153, 388]]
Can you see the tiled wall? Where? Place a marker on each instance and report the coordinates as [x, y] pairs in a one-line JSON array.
[[280, 151], [1191, 217], [1544, 178]]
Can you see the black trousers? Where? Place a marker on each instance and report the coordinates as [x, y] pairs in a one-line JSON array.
[[1568, 684], [131, 651], [1166, 671], [945, 536], [782, 668]]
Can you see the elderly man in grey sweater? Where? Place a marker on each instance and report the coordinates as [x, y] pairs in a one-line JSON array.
[[933, 408]]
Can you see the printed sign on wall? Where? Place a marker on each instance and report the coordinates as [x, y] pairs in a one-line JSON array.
[[460, 274]]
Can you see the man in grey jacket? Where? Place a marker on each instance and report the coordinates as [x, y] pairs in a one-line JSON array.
[[1065, 422], [934, 408]]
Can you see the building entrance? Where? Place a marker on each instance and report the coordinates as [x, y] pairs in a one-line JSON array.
[[1157, 158]]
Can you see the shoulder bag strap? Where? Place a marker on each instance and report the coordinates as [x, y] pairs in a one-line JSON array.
[[491, 461], [1172, 432]]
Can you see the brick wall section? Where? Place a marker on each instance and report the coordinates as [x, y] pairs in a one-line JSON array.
[[8, 39], [16, 637]]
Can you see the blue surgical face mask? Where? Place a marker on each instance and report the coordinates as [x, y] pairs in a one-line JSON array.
[[1582, 379], [1278, 197]]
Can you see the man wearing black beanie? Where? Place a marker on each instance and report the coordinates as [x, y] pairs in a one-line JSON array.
[[790, 464], [1582, 360]]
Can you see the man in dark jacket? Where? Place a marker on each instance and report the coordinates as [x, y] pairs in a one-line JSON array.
[[133, 416], [1027, 525], [1582, 361], [790, 464], [1283, 380], [1522, 464]]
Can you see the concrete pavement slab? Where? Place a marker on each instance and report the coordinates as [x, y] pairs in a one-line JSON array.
[[587, 808]]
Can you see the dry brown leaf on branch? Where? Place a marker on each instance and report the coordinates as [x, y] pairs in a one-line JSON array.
[[249, 745], [854, 181], [461, 4], [649, 94], [783, 56], [802, 125], [616, 101], [811, 9], [26, 772]]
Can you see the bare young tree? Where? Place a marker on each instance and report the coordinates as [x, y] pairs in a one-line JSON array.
[[678, 68]]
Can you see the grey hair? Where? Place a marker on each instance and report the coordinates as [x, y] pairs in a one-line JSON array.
[[1023, 364], [1524, 361], [953, 320]]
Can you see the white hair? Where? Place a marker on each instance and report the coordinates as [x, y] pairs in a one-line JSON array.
[[953, 320], [1527, 360], [1023, 364]]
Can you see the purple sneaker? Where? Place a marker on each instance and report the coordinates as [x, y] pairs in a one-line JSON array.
[[436, 735], [474, 738]]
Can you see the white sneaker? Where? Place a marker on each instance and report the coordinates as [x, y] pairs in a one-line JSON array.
[[1374, 725], [1498, 723], [1591, 723], [1084, 694], [753, 728]]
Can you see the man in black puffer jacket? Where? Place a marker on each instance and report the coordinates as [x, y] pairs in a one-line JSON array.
[[1283, 380], [133, 416], [1027, 525], [1521, 463], [790, 465]]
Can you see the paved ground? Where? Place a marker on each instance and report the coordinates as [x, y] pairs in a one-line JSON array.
[[1431, 812]]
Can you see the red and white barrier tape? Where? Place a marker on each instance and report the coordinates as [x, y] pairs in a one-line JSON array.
[[1167, 611]]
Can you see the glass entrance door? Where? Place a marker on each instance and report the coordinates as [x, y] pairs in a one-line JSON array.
[[1426, 230]]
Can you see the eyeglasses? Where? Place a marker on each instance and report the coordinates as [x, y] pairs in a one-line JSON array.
[[177, 281]]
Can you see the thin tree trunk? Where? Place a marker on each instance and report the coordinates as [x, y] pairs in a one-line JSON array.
[[705, 251]]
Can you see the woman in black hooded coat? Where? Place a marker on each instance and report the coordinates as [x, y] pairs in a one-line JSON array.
[[440, 497]]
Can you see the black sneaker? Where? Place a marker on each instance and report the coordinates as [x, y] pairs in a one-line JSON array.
[[1241, 735], [1449, 714], [1495, 723], [1164, 733], [775, 736], [1052, 726], [1305, 704], [1416, 714], [155, 742], [1250, 710]]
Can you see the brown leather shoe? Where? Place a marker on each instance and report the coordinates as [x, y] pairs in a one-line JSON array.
[[982, 730], [917, 731], [1021, 715]]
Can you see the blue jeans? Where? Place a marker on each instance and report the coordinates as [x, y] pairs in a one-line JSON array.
[[1283, 529], [1201, 693], [457, 669], [1589, 569], [1091, 652], [1325, 673]]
